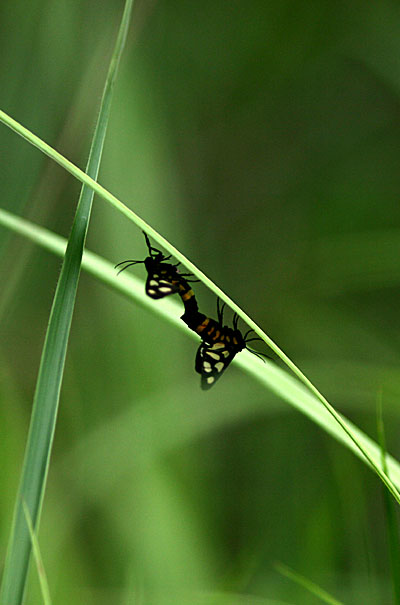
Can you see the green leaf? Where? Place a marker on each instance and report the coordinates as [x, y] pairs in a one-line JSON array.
[[44, 585], [48, 386], [307, 584], [392, 528]]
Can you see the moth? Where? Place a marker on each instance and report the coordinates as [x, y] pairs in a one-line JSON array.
[[163, 278], [219, 344]]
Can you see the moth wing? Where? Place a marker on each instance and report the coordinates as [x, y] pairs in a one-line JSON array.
[[212, 361], [159, 286], [198, 364]]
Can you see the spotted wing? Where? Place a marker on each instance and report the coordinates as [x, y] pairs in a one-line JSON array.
[[160, 284], [212, 361]]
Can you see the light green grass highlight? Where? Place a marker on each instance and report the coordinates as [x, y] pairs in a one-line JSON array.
[[106, 195], [392, 526], [307, 584], [48, 386], [279, 381], [44, 585], [231, 598]]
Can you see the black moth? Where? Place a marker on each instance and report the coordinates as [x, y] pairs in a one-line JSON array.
[[219, 344], [163, 278]]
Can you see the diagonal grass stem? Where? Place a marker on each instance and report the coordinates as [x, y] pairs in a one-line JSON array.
[[285, 386], [111, 199]]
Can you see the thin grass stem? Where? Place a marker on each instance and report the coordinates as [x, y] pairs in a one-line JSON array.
[[48, 385], [313, 588], [44, 585], [392, 527]]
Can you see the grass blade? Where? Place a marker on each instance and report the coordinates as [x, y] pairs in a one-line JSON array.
[[391, 520], [44, 585], [45, 405], [127, 283], [268, 374], [106, 195], [307, 584]]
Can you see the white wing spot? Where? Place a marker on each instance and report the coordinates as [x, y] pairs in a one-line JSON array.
[[219, 366], [225, 353], [207, 366], [151, 291], [210, 379], [218, 345], [213, 355], [165, 289], [153, 282]]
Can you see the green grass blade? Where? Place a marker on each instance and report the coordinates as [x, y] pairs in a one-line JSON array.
[[391, 519], [45, 405], [268, 374], [106, 195], [126, 283], [307, 584], [44, 585], [232, 598]]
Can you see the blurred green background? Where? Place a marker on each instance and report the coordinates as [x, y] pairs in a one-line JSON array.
[[263, 140]]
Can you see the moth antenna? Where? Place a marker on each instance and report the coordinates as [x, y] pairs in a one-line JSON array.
[[131, 262], [126, 266], [247, 333]]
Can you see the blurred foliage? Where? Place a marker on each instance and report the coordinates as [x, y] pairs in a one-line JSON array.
[[262, 139]]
